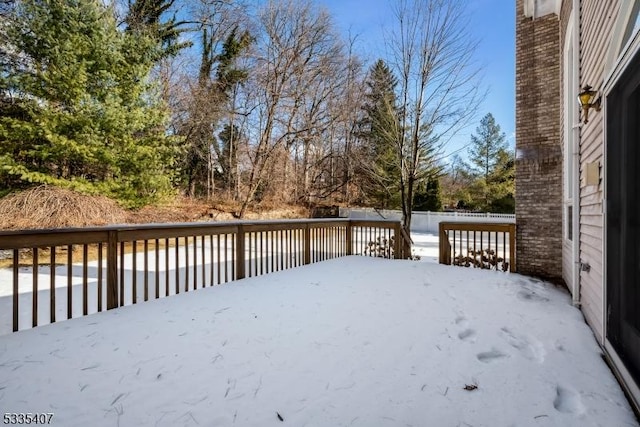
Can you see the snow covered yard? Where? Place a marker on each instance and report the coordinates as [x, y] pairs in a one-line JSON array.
[[350, 342], [426, 246]]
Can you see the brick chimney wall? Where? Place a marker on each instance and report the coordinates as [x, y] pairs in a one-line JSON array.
[[538, 146]]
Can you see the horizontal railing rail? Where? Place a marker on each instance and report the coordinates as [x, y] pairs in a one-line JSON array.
[[63, 273], [470, 244]]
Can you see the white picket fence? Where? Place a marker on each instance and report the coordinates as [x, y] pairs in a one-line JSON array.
[[427, 222]]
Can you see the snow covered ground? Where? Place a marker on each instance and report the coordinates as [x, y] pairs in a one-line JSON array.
[[350, 342], [426, 246]]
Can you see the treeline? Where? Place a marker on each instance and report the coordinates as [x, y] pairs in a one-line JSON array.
[[139, 99]]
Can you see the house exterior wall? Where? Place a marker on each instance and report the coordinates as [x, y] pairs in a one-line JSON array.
[[596, 28], [600, 26], [538, 146], [540, 135]]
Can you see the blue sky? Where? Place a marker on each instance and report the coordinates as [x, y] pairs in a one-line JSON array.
[[493, 22]]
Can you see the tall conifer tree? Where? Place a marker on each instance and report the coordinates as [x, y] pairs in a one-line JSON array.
[[380, 132], [77, 109], [493, 166]]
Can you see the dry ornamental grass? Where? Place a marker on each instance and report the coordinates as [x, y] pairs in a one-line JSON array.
[[52, 207], [47, 207]]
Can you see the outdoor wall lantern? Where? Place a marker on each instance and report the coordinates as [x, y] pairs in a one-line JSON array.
[[587, 99]]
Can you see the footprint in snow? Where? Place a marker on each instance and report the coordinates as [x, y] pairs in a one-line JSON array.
[[568, 401], [531, 295], [529, 347], [467, 335], [461, 321], [490, 356]]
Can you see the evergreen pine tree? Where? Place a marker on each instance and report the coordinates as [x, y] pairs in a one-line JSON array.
[[493, 166], [502, 184], [380, 132], [77, 110], [428, 197], [485, 146], [146, 17]]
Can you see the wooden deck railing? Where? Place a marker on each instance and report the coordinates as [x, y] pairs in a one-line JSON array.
[[81, 271], [488, 246]]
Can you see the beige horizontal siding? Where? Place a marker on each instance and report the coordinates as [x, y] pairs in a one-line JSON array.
[[594, 242], [592, 297], [591, 224], [597, 20], [592, 152]]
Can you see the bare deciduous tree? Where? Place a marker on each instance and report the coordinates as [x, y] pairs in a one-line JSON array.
[[433, 52], [297, 62], [208, 101]]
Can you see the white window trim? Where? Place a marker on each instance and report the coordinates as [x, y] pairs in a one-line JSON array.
[[571, 163]]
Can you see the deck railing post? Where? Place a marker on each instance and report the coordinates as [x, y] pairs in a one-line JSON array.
[[444, 246], [349, 237], [512, 248], [112, 269], [307, 244], [240, 260], [16, 290], [397, 241]]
